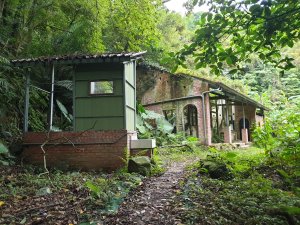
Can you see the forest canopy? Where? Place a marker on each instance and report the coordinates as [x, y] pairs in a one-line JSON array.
[[233, 31]]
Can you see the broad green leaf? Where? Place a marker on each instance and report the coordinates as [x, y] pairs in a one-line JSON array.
[[3, 149], [63, 110]]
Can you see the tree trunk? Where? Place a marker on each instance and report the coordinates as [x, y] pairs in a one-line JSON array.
[[2, 4]]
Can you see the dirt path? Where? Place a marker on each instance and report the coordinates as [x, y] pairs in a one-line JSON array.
[[151, 202]]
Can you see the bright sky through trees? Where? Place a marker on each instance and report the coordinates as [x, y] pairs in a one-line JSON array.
[[177, 6]]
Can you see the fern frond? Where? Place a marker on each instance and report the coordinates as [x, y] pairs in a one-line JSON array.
[[68, 84]]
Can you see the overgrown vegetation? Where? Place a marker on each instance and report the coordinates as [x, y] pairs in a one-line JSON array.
[[78, 196], [256, 190], [241, 40], [280, 135]]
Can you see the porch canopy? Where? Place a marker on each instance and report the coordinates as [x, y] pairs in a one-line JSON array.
[[223, 91], [127, 75]]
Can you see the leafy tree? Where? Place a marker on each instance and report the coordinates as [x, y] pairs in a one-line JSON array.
[[54, 27], [174, 33], [234, 30], [131, 25], [31, 28]]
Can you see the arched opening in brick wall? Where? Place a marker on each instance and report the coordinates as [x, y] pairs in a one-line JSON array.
[[190, 115]]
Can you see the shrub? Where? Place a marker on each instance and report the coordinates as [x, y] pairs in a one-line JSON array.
[[281, 132]]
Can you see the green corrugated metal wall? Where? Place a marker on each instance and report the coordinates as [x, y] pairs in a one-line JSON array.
[[130, 100], [106, 112]]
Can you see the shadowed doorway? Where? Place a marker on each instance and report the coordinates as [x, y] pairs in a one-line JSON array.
[[190, 120]]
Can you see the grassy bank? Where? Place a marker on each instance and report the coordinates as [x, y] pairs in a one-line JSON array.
[[256, 190]]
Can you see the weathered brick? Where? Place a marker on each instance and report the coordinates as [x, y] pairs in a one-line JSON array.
[[94, 150]]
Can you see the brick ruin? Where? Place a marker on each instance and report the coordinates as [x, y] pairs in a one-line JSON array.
[[220, 117], [189, 103]]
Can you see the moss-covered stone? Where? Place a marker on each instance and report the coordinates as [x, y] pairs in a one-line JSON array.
[[215, 168], [140, 165]]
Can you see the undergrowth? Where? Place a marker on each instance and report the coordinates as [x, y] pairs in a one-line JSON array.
[[256, 192], [101, 192], [189, 151]]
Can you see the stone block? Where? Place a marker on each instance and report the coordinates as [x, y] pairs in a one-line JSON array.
[[143, 144]]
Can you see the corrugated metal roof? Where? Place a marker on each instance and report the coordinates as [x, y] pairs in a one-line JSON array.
[[80, 58]]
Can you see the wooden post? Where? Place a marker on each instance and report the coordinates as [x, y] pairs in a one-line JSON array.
[[51, 99], [26, 103]]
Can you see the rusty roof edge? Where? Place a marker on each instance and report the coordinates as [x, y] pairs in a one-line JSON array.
[[224, 86], [44, 59], [230, 90]]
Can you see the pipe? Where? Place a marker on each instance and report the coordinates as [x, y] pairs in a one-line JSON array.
[[204, 113]]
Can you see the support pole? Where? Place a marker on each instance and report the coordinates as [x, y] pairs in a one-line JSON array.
[[244, 119], [227, 114], [26, 103], [227, 129], [217, 117], [204, 117], [74, 103], [182, 121], [51, 99], [244, 130]]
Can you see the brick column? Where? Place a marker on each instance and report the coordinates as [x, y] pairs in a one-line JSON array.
[[245, 135], [208, 120], [227, 134]]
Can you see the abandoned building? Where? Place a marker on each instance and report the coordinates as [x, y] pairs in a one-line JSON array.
[[104, 112], [103, 96], [209, 110]]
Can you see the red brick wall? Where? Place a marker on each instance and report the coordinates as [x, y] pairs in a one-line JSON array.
[[250, 112], [166, 86], [90, 150]]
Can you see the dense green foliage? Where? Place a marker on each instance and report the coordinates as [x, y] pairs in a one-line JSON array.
[[232, 31], [54, 27], [258, 191], [281, 133], [34, 28]]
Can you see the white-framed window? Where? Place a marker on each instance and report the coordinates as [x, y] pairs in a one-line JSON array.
[[101, 87]]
